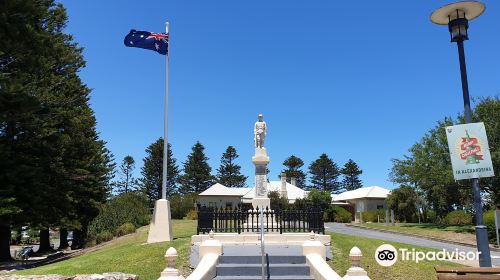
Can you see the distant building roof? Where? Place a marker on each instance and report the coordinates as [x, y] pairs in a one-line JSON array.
[[221, 190], [293, 192], [367, 192]]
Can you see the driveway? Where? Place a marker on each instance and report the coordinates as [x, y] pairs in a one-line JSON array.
[[394, 237]]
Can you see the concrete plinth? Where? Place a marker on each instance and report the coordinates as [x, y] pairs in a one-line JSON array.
[[160, 229]]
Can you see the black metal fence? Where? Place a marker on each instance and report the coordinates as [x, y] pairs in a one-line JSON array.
[[241, 220]]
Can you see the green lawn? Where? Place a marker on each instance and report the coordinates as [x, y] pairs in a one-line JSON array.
[[463, 234], [342, 244], [129, 254]]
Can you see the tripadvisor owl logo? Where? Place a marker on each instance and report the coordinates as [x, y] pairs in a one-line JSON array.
[[386, 255]]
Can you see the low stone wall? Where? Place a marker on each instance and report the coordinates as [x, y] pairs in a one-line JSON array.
[[253, 238], [104, 276]]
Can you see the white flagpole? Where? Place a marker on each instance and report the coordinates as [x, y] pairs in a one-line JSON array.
[[165, 124], [160, 229]]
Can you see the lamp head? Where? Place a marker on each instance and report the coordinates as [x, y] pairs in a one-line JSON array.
[[457, 17]]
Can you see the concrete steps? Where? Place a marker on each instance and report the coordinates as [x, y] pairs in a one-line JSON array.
[[250, 268]]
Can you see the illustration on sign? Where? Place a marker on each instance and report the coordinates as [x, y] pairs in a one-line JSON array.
[[469, 151]]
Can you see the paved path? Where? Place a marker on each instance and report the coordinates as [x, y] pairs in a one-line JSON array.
[[394, 237]]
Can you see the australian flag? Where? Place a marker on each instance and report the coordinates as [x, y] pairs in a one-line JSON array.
[[147, 40]]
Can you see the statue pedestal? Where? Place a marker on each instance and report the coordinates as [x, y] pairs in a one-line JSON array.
[[260, 157], [260, 160]]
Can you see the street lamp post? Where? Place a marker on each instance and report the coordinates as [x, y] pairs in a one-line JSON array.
[[457, 17]]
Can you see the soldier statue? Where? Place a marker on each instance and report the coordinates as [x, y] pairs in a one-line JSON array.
[[260, 131]]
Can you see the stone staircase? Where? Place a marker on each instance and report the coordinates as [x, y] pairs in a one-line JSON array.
[[250, 268]]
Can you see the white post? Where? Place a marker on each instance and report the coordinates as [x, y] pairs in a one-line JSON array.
[[170, 272], [165, 120], [160, 229], [356, 272]]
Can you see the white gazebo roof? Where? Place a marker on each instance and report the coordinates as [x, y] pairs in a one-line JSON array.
[[293, 192], [221, 190], [367, 192]]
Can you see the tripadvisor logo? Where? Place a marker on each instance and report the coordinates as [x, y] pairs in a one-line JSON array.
[[387, 255]]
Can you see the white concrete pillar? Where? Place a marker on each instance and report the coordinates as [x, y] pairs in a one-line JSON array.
[[170, 272], [283, 191], [356, 272]]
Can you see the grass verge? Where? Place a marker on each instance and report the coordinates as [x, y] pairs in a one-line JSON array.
[[463, 234], [128, 254], [342, 244]]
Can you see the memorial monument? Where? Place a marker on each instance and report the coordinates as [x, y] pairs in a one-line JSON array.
[[260, 160]]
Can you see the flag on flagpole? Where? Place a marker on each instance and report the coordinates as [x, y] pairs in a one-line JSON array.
[[147, 40]]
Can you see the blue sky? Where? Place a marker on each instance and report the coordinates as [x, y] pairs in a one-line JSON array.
[[353, 79]]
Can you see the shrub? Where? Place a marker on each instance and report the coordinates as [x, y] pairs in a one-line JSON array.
[[125, 208], [301, 203], [373, 216], [337, 214], [277, 201], [458, 217], [181, 205], [124, 229], [103, 236], [342, 215], [431, 216], [369, 216], [489, 222], [321, 199], [192, 215]]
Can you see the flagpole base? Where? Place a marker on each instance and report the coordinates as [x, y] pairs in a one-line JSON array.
[[160, 229]]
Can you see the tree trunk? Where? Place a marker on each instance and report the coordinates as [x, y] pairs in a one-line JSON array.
[[44, 241], [5, 243], [63, 238], [77, 240]]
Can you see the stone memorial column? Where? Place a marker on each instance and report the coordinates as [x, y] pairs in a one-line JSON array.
[[260, 160]]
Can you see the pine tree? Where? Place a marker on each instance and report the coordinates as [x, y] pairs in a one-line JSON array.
[[324, 174], [127, 183], [53, 163], [351, 174], [196, 177], [152, 171], [293, 166], [228, 173]]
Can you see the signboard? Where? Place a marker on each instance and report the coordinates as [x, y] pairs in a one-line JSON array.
[[469, 151]]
